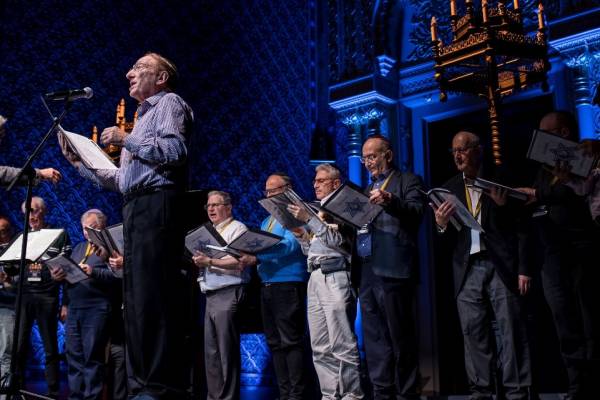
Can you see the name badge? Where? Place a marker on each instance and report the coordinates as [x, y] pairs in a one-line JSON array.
[[34, 272], [363, 242]]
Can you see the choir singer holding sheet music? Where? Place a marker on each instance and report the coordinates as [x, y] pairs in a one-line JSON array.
[[87, 309], [569, 241], [152, 177], [331, 308], [390, 267], [224, 283], [282, 270], [40, 301], [488, 277]]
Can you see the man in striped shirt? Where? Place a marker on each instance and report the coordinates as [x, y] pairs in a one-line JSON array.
[[152, 177]]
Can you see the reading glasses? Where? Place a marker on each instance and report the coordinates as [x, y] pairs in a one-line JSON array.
[[276, 190], [213, 205]]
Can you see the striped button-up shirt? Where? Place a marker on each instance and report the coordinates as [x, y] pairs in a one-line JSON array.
[[154, 153]]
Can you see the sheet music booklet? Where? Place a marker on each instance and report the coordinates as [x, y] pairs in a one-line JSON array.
[[488, 185], [462, 216], [110, 238], [349, 204], [547, 148], [252, 241], [92, 156], [71, 268], [37, 244], [199, 239], [277, 207]]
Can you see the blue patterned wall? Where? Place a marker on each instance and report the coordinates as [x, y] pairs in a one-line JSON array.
[[245, 72]]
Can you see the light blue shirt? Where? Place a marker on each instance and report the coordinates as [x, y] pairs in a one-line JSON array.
[[283, 262], [155, 152]]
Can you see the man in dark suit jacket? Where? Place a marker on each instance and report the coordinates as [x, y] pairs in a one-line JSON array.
[[388, 251], [569, 242], [488, 278]]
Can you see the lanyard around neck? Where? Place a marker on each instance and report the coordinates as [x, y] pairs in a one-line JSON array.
[[271, 224], [88, 252], [222, 229], [475, 212], [386, 182]]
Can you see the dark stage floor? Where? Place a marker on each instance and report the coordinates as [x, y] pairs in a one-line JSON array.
[[268, 393]]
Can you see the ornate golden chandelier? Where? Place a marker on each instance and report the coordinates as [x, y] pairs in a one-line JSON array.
[[491, 56]]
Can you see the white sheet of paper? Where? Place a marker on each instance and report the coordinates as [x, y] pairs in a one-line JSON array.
[[90, 153], [37, 244]]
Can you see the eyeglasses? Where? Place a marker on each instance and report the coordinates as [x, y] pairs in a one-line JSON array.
[[462, 150], [213, 205], [139, 66], [321, 181], [36, 211], [369, 158], [276, 190]]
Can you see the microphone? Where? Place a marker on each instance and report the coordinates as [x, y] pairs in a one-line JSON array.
[[85, 93]]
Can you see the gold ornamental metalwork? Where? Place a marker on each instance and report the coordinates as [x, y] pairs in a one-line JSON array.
[[490, 56]]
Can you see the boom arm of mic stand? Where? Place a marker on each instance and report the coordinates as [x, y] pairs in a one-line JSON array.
[[56, 122]]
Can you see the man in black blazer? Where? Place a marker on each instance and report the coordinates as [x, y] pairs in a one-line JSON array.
[[569, 242], [388, 251], [488, 278]]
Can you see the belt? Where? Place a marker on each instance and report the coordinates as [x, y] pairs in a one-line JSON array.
[[271, 284], [127, 197], [482, 255]]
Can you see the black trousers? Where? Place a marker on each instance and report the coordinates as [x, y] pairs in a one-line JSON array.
[[152, 293], [44, 310], [483, 297], [283, 307], [389, 332], [570, 278], [117, 378]]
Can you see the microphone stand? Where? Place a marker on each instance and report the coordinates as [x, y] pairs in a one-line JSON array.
[[11, 380]]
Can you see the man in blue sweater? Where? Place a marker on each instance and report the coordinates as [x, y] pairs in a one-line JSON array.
[[282, 270], [87, 307]]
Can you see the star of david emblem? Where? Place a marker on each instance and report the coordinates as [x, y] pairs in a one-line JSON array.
[[563, 153], [254, 244], [354, 207], [201, 244]]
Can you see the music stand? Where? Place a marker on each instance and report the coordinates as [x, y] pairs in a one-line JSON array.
[[11, 379]]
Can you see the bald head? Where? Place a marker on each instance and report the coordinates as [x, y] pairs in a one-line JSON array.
[[467, 137], [277, 183], [377, 154], [561, 123], [467, 152]]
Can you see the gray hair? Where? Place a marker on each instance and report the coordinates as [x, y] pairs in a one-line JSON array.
[[35, 199], [332, 170], [224, 195], [94, 211], [169, 67]]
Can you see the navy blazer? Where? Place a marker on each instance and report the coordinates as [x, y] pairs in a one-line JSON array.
[[501, 238], [394, 231]]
